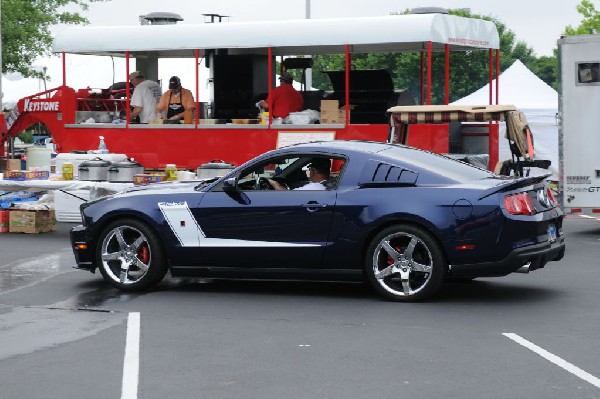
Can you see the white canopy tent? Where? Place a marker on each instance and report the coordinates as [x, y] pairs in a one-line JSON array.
[[522, 88]]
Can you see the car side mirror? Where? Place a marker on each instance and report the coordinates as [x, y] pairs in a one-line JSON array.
[[229, 185]]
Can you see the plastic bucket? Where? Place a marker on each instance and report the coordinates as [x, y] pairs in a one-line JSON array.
[[38, 157]]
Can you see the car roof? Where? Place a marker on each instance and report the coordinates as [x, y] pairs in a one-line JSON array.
[[342, 146], [432, 168]]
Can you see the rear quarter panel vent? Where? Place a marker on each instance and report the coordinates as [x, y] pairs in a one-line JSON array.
[[378, 174]]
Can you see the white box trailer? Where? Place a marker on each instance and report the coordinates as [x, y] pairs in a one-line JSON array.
[[579, 127]]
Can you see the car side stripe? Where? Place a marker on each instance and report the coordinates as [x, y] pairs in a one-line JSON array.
[[182, 223], [189, 233]]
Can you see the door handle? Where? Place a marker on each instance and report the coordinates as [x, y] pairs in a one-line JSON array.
[[313, 206]]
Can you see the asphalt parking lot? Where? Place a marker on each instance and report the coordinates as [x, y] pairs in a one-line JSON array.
[[65, 333]]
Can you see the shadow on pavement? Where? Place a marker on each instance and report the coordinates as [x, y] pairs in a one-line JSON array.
[[486, 291]]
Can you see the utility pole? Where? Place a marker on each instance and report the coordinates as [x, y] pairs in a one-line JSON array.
[[308, 72]]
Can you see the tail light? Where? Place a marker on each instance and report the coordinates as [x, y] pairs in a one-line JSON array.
[[519, 204], [546, 198], [551, 197]]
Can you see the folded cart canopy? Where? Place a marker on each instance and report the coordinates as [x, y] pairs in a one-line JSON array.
[[407, 114], [518, 133]]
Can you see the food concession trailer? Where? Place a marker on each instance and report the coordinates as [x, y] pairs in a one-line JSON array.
[[242, 61]]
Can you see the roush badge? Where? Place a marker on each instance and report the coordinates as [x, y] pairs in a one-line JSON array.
[[174, 204]]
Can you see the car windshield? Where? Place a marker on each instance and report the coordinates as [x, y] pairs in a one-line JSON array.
[[438, 164], [271, 169]]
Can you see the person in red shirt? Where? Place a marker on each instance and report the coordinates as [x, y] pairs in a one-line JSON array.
[[284, 98]]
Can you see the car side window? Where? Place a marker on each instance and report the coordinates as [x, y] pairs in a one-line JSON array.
[[299, 172], [337, 166]]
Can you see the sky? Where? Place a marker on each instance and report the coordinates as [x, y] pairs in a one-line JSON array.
[[538, 23]]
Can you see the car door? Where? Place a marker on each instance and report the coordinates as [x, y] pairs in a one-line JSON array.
[[265, 228], [249, 227]]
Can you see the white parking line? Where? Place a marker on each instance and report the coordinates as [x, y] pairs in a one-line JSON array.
[[131, 363], [555, 359]]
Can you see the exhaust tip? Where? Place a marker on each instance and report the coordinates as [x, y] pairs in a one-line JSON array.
[[524, 269]]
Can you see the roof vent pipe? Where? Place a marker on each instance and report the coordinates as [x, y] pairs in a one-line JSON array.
[[160, 18], [212, 18]]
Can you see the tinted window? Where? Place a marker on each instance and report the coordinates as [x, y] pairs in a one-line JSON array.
[[437, 164], [293, 171]]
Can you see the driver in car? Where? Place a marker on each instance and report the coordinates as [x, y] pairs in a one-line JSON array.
[[318, 174]]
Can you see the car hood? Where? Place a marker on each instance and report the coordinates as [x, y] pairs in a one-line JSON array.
[[162, 188]]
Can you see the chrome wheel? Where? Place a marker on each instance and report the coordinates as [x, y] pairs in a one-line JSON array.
[[125, 255], [130, 256], [405, 264]]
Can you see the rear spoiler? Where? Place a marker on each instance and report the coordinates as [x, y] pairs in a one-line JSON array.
[[514, 184]]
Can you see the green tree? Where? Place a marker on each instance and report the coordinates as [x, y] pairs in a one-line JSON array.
[[26, 137], [468, 70], [591, 20], [26, 30]]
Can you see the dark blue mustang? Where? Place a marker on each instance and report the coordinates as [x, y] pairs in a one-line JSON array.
[[402, 218]]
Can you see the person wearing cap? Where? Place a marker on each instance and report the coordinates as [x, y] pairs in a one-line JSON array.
[[318, 174], [175, 101], [144, 98], [284, 98]]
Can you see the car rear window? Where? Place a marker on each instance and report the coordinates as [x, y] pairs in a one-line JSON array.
[[437, 164]]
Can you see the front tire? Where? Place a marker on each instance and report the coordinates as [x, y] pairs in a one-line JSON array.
[[130, 256], [404, 263]]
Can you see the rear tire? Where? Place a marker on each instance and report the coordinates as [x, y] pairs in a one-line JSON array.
[[130, 256], [405, 263]]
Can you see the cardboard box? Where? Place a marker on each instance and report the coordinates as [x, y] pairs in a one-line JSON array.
[[147, 178], [4, 218], [41, 174], [10, 164], [329, 105], [331, 113], [31, 222], [26, 175]]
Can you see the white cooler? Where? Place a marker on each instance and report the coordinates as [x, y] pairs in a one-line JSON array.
[[66, 207]]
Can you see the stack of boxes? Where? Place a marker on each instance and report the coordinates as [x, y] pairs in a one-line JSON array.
[[31, 222], [11, 169], [9, 164], [23, 221], [332, 113]]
